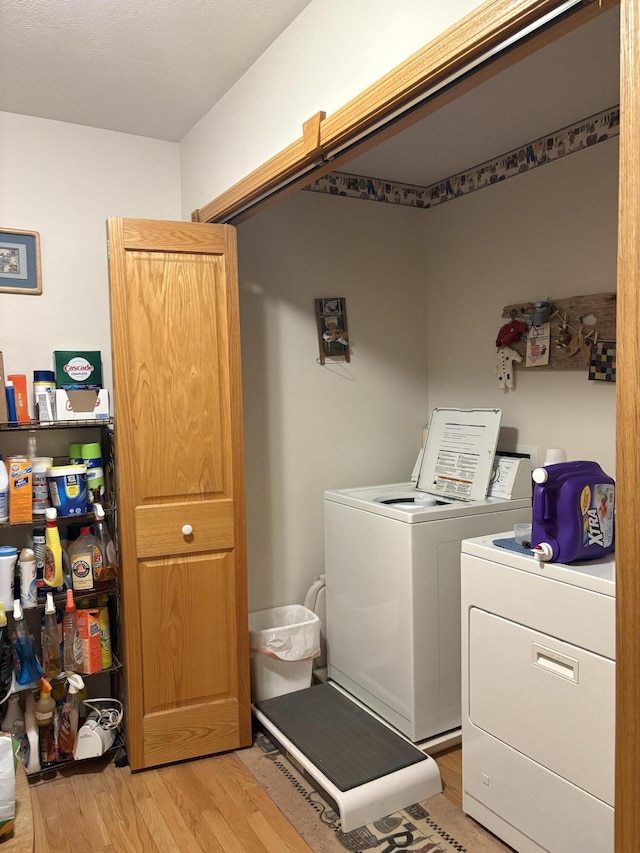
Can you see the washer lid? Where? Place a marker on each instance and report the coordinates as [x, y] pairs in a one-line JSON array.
[[458, 455]]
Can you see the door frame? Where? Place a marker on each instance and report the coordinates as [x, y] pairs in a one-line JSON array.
[[373, 116]]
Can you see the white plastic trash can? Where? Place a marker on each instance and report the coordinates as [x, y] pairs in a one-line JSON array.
[[283, 643]]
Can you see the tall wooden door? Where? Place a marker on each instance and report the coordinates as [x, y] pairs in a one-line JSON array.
[[180, 472]]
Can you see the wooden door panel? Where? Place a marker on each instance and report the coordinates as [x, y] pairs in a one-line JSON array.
[[179, 375], [178, 407], [159, 528], [179, 237], [170, 736], [188, 631]]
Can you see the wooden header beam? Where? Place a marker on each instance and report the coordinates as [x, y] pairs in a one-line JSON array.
[[466, 41]]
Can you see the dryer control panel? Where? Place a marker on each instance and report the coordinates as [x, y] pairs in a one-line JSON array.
[[510, 478]]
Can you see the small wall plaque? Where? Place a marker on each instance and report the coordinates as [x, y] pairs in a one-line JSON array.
[[333, 335]]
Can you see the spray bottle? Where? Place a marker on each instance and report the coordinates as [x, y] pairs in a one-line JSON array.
[[28, 668], [45, 709], [69, 715], [109, 568], [52, 550], [72, 644], [51, 663]]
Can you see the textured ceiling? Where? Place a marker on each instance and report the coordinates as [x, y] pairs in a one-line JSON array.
[[148, 67], [156, 67]]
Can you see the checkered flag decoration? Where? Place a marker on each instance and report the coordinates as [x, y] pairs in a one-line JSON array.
[[603, 361]]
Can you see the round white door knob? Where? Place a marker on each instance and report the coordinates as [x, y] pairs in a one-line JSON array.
[[187, 530]]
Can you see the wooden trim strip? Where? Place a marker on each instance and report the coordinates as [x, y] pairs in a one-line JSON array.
[[627, 799], [467, 40]]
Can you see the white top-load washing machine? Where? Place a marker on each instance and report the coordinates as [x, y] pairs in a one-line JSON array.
[[392, 565], [538, 721]]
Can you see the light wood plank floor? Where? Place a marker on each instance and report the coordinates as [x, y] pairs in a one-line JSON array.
[[204, 806]]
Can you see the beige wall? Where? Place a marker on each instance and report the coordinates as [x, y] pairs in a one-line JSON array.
[[551, 233], [425, 292], [330, 53], [307, 427], [64, 180]]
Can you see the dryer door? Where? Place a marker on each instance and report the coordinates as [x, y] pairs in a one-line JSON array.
[[549, 700]]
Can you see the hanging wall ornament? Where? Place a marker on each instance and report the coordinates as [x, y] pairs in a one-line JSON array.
[[504, 366], [538, 339], [511, 332], [603, 361]]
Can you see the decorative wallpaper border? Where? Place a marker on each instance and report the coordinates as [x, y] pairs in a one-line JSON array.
[[546, 149]]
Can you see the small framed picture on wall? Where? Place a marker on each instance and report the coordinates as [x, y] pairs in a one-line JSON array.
[[333, 334], [20, 262]]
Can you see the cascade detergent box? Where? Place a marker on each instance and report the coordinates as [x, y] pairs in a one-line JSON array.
[[75, 369]]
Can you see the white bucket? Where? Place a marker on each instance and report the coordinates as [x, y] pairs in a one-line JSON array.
[[68, 489]]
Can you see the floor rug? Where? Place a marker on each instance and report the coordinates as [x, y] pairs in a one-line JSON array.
[[434, 826]]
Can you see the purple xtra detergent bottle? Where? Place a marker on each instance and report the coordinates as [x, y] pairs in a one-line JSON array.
[[572, 516]]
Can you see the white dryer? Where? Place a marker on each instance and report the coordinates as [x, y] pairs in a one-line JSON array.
[[392, 565], [538, 655]]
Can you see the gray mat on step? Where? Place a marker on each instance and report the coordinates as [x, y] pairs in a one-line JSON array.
[[347, 745]]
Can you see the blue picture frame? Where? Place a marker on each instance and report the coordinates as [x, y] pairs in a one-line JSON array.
[[20, 262]]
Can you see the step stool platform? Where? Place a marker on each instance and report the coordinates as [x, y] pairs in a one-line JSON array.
[[366, 768]]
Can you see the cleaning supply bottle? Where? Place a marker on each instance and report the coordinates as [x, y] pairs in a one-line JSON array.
[[4, 492], [45, 709], [573, 512], [32, 760], [72, 645], [8, 559], [38, 534], [28, 578], [105, 632], [81, 557], [52, 550], [6, 655], [109, 568], [28, 669], [13, 715], [51, 663], [69, 715]]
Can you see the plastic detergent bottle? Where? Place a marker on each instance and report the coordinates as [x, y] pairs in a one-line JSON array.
[[109, 568], [4, 492], [52, 550], [28, 666], [81, 556], [573, 512], [51, 663], [45, 709], [72, 645]]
